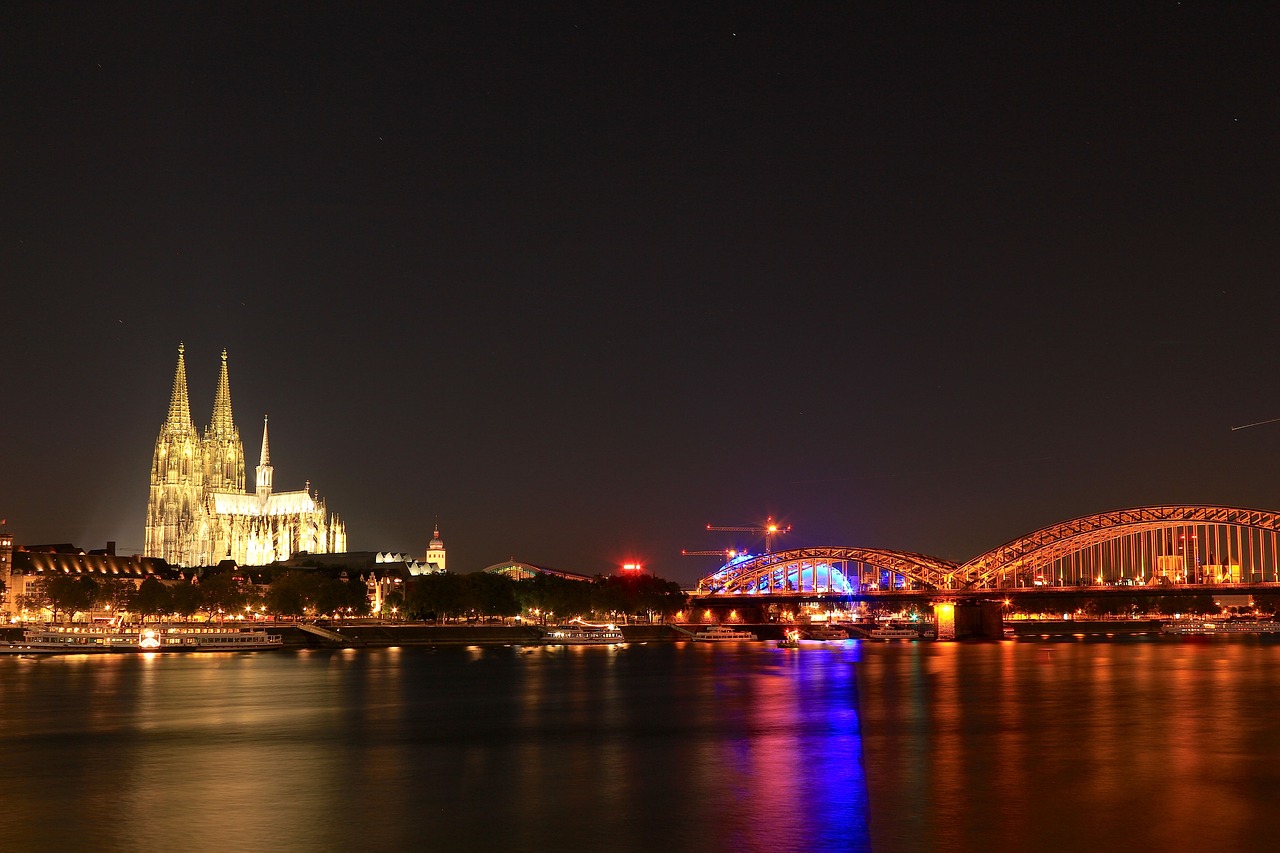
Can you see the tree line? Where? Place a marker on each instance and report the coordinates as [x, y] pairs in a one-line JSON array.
[[440, 597], [445, 596], [215, 595]]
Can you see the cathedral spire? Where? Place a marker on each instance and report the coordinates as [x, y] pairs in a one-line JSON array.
[[222, 421], [223, 453], [266, 450], [264, 463], [179, 402]]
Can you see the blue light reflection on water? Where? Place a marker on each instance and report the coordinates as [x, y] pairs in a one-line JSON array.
[[669, 746]]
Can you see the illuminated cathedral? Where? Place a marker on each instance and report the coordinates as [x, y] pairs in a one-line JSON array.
[[200, 513]]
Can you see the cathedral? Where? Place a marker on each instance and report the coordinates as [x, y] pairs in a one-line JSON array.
[[200, 513]]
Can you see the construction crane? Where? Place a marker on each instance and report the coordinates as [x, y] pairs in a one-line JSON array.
[[769, 529]]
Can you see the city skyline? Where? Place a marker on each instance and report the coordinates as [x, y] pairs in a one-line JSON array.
[[577, 282]]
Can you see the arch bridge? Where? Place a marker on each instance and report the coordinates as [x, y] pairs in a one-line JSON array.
[[1174, 543], [1170, 544], [842, 571]]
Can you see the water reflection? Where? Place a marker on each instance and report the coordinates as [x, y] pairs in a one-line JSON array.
[[629, 748], [1143, 743]]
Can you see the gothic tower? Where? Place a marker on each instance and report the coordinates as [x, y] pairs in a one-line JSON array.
[[177, 527], [199, 511], [264, 465], [223, 451]]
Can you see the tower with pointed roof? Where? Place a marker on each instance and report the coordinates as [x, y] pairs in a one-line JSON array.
[[199, 511], [177, 528], [263, 480], [224, 454], [435, 551]]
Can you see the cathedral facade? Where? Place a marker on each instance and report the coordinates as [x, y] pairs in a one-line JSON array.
[[199, 512]]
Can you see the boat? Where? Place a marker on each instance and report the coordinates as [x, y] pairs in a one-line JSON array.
[[582, 635], [825, 632], [1214, 627], [721, 633], [893, 633], [100, 639], [207, 638], [790, 640]]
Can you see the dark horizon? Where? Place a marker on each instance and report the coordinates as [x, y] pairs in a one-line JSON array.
[[577, 281]]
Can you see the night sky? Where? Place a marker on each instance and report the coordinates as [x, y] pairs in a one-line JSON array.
[[580, 279]]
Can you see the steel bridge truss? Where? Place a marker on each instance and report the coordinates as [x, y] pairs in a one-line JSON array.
[[1115, 546], [817, 570], [1026, 558]]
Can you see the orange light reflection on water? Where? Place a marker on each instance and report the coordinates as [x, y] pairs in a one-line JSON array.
[[1123, 745]]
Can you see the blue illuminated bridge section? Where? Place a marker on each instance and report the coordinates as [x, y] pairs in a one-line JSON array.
[[1171, 544]]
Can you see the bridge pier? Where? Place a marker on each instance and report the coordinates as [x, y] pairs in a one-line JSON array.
[[747, 612], [944, 620], [960, 620]]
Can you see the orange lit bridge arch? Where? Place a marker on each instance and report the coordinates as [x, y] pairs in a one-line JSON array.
[[823, 570], [1176, 543], [1173, 544]]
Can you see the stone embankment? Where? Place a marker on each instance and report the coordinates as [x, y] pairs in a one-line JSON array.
[[363, 635], [1086, 627], [381, 635], [373, 634]]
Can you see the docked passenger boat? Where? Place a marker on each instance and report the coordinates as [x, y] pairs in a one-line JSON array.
[[825, 632], [1214, 627], [582, 635], [893, 633], [97, 639], [722, 633]]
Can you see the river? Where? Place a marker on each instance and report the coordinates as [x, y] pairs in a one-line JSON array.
[[1130, 744]]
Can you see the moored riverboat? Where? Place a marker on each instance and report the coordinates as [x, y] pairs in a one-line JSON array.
[[893, 633], [1214, 627], [99, 639], [723, 633], [582, 635], [825, 632]]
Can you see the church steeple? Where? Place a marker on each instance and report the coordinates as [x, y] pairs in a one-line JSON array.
[[265, 460], [179, 402], [264, 463], [222, 421], [223, 453], [435, 557], [174, 509]]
